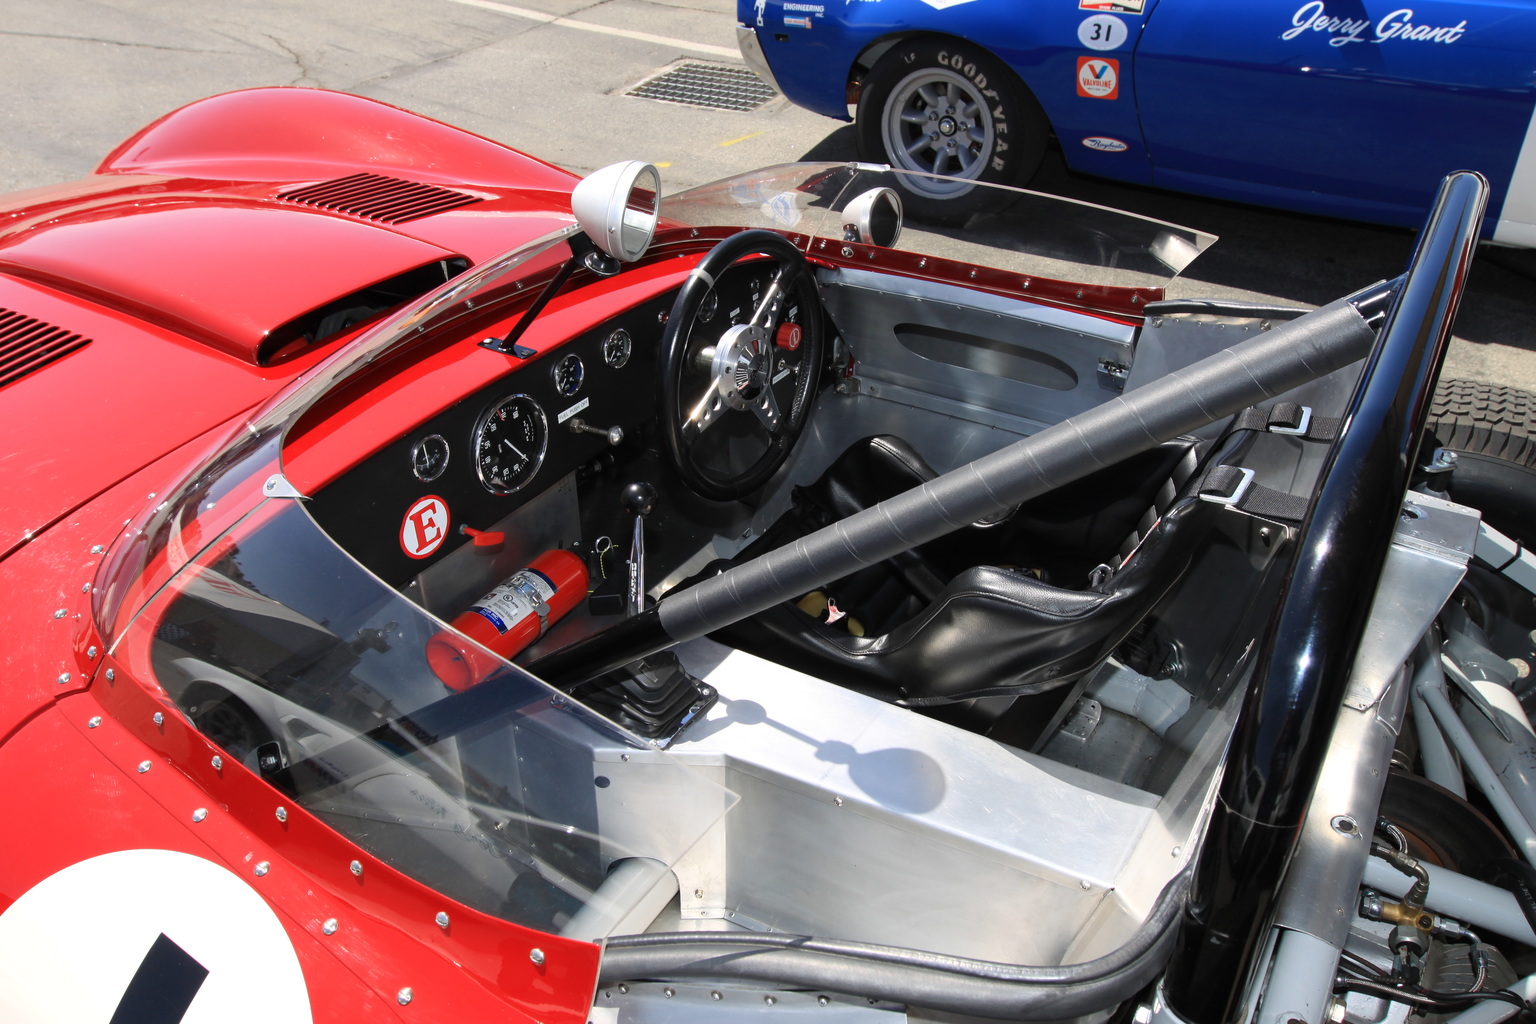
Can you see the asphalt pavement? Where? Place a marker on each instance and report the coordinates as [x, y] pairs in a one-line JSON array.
[[552, 77]]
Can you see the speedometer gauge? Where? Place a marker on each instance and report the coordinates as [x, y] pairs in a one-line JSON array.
[[509, 443]]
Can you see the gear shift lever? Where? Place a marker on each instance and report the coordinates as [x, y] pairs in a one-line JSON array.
[[639, 499]]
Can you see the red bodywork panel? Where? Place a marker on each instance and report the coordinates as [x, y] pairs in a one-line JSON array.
[[175, 261], [178, 271], [478, 968], [218, 271], [292, 134]]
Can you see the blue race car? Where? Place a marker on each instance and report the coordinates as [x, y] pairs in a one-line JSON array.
[[1347, 108]]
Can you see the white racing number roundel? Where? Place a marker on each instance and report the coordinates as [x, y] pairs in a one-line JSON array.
[[151, 936], [424, 527], [1102, 32]]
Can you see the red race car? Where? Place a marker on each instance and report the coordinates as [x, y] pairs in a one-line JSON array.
[[440, 589]]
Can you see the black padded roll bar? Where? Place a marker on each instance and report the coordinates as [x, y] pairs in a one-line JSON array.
[[1287, 719], [1252, 371]]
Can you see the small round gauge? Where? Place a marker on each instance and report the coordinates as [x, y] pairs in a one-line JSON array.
[[568, 374], [429, 457], [707, 308], [509, 443], [617, 347]]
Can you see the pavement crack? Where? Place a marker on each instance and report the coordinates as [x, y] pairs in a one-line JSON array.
[[110, 42], [305, 74], [408, 68]]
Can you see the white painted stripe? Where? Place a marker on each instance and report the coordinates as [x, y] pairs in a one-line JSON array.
[[1517, 220], [586, 26]]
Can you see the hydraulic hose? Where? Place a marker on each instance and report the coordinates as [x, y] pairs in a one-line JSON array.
[[916, 978]]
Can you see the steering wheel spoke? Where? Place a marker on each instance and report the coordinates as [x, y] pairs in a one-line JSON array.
[[767, 409], [727, 464], [767, 310], [704, 414]]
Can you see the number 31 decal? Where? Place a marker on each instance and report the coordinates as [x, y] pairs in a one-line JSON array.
[[1102, 32]]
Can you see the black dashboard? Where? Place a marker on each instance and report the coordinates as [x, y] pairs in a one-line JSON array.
[[495, 450], [399, 511]]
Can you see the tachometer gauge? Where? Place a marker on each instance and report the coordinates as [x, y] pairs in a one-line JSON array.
[[568, 374], [509, 443], [429, 458], [617, 347]]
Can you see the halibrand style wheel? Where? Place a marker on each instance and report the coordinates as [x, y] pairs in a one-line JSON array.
[[949, 108]]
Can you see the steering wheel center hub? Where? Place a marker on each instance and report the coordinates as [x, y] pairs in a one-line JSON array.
[[742, 364]]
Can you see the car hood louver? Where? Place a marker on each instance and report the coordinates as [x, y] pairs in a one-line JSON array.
[[28, 344], [379, 198]]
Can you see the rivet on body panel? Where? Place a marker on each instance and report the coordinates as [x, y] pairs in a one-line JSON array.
[[537, 956], [199, 814], [404, 996], [329, 927]]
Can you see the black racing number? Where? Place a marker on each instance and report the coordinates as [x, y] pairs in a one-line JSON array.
[[162, 988], [1103, 32]]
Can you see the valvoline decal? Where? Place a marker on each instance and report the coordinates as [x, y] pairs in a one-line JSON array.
[[1098, 78]]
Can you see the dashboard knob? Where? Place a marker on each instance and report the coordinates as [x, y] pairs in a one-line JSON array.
[[614, 434], [639, 498]]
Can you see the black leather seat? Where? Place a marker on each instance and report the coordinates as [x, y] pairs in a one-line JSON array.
[[1012, 606]]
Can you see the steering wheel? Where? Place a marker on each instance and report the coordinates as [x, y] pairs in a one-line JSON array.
[[733, 402]]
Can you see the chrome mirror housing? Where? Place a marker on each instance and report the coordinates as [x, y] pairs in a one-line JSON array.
[[873, 217], [617, 208]]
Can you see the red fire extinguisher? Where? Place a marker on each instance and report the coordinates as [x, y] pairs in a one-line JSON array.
[[512, 616]]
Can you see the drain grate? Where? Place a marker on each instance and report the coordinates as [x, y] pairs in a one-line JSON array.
[[700, 84]]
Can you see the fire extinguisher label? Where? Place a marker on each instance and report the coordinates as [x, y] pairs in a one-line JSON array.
[[526, 593]]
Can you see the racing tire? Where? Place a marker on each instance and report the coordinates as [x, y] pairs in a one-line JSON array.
[[981, 121], [1492, 430]]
